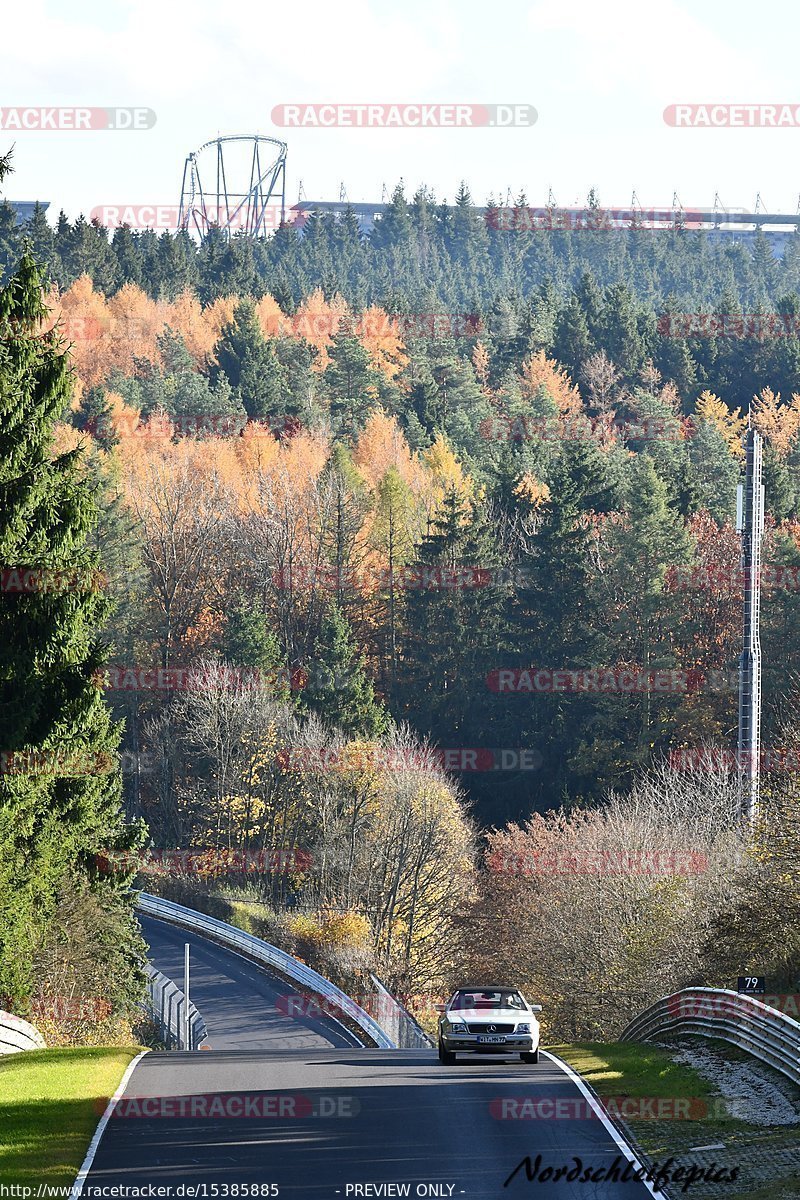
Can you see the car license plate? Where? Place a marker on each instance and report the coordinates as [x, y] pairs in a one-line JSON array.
[[493, 1040]]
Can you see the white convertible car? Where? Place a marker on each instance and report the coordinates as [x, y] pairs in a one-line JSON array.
[[488, 1020]]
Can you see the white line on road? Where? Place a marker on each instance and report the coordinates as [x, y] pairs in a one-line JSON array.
[[77, 1186], [597, 1108]]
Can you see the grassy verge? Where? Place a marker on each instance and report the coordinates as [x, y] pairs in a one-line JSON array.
[[765, 1155], [633, 1069], [50, 1103]]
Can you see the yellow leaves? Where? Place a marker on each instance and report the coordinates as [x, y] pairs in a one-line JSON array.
[[480, 363], [346, 930], [381, 445], [730, 424], [532, 490], [317, 320], [778, 422], [541, 371], [305, 929], [381, 339], [445, 470]]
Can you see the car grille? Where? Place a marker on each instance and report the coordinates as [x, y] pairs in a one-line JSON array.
[[481, 1028]]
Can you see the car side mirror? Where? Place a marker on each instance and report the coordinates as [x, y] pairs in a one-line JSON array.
[[440, 1007], [536, 1008]]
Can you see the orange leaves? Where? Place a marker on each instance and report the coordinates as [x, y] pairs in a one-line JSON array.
[[270, 317], [779, 423], [533, 490], [381, 339], [480, 363], [317, 320], [198, 327], [106, 334], [381, 445], [730, 424], [541, 371], [135, 323], [218, 315]]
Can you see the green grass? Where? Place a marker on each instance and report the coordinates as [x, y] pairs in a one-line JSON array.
[[637, 1069], [632, 1069], [50, 1103]]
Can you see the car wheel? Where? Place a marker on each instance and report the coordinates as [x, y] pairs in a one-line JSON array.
[[446, 1056], [532, 1057]]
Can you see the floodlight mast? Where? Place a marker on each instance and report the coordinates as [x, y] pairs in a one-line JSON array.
[[244, 205]]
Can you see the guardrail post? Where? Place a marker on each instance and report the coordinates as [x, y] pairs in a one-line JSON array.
[[187, 1040]]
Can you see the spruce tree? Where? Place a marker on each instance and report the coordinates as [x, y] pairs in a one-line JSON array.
[[244, 358], [60, 786], [338, 688], [248, 641], [558, 621]]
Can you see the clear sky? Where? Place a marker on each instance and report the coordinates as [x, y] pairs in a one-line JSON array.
[[599, 75]]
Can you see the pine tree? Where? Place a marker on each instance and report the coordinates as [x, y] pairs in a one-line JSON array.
[[557, 621], [651, 539], [338, 688], [350, 380], [392, 535], [94, 416], [248, 641], [60, 807], [244, 358], [453, 615]]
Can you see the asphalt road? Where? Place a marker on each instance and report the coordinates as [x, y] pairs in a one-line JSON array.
[[236, 998], [321, 1121]]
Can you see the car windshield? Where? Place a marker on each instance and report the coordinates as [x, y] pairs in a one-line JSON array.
[[487, 1000]]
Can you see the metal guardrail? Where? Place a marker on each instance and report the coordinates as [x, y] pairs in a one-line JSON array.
[[764, 1032], [396, 1021], [167, 1007], [262, 952], [17, 1035]]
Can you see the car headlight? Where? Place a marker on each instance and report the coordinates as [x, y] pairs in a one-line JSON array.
[[456, 1027], [524, 1027]]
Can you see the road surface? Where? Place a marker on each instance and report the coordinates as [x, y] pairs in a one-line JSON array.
[[289, 1103]]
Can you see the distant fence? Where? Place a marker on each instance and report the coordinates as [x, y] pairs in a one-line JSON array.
[[17, 1035], [764, 1032], [167, 1007], [254, 948], [396, 1021]]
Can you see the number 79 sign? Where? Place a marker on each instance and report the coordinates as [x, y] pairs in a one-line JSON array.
[[752, 985]]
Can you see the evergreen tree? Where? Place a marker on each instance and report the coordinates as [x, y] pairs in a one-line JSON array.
[[60, 808], [350, 380], [94, 416], [248, 641], [244, 358], [454, 608], [651, 539], [338, 688], [557, 621]]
